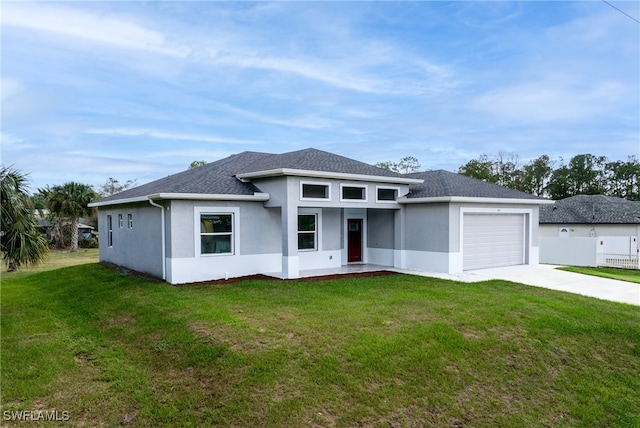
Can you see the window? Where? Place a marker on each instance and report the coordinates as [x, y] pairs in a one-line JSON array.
[[307, 231], [110, 230], [387, 194], [358, 193], [315, 191], [120, 221], [216, 233], [130, 220]]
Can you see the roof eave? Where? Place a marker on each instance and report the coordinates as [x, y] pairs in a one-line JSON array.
[[279, 172], [256, 197], [476, 200]]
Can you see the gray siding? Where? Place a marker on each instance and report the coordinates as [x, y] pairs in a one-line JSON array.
[[260, 227], [381, 230], [427, 227], [138, 248], [331, 229]]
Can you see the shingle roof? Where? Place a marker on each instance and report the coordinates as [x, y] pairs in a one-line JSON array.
[[212, 178], [591, 209], [219, 177], [316, 160], [442, 183]]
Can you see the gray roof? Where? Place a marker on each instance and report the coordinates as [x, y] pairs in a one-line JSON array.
[[219, 177], [442, 183], [316, 160], [591, 209], [212, 178]]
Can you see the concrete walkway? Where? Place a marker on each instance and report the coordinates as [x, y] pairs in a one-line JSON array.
[[548, 276]]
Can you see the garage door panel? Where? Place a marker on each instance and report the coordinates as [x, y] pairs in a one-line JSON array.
[[492, 240]]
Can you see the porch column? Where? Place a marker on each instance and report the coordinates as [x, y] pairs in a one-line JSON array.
[[290, 260]]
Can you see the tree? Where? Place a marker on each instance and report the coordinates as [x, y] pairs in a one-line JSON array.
[[407, 164], [21, 243], [71, 200], [196, 163], [535, 176], [113, 186], [481, 168], [623, 179]]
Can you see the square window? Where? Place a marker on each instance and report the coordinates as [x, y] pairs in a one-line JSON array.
[[216, 233]]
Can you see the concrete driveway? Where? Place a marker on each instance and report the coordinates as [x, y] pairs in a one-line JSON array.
[[548, 276]]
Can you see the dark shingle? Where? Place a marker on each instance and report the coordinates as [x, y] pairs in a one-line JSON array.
[[442, 183], [316, 160], [591, 209], [212, 178]]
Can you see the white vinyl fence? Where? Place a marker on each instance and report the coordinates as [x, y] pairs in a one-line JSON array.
[[605, 251]]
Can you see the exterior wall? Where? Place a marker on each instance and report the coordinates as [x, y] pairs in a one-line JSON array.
[[139, 247], [433, 234], [570, 252], [257, 241], [590, 230]]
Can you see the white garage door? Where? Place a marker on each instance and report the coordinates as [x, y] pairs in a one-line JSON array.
[[492, 240]]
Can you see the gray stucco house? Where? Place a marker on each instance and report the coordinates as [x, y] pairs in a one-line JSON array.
[[280, 214]]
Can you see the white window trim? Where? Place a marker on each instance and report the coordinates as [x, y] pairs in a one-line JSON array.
[[358, 186], [382, 201], [315, 183], [318, 214], [235, 229]]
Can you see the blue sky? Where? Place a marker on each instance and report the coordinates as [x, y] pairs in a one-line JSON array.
[[138, 90]]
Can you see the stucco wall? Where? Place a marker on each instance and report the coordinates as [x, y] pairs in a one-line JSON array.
[[427, 227], [139, 247], [585, 230], [380, 225], [259, 228]]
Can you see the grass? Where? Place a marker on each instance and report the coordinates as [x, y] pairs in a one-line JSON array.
[[612, 273], [55, 260], [393, 351]]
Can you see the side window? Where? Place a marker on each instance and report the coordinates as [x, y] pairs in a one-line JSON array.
[[110, 230], [216, 233], [120, 221], [130, 220], [307, 232]]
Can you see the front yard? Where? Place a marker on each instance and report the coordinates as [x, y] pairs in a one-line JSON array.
[[391, 351]]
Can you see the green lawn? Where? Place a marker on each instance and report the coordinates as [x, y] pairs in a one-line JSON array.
[[392, 351], [613, 273]]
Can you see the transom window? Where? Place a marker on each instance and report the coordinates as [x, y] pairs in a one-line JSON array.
[[387, 194], [315, 191], [307, 232], [354, 193], [216, 233]]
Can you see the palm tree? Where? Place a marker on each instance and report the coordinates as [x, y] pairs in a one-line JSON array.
[[71, 200], [21, 242]]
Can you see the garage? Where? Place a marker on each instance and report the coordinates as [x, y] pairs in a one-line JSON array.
[[493, 240]]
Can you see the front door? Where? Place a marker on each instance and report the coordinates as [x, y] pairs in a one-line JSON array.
[[354, 240]]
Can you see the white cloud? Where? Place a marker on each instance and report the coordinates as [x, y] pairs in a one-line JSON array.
[[78, 24], [163, 135]]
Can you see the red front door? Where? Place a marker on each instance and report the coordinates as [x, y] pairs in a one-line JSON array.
[[354, 240]]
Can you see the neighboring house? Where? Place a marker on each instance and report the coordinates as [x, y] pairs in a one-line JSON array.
[[590, 216], [280, 214], [85, 231], [590, 230]]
